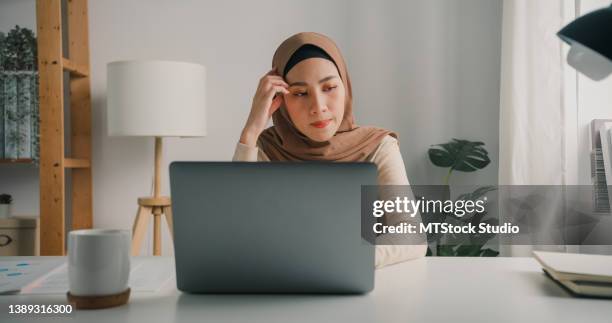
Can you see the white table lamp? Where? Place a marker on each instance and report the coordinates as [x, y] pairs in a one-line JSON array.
[[155, 99]]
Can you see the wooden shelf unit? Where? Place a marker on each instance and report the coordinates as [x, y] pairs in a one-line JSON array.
[[53, 160]]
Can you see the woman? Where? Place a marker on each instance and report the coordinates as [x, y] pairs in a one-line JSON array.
[[308, 95]]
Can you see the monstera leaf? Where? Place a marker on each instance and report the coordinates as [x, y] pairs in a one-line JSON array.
[[461, 155]]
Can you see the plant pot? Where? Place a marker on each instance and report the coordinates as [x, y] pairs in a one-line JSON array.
[[5, 210]]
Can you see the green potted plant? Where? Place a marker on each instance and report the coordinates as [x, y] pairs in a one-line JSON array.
[[464, 156], [5, 205], [19, 50], [19, 95]]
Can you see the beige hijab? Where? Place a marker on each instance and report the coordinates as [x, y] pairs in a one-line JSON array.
[[284, 142]]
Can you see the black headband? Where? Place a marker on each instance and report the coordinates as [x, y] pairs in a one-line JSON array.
[[305, 52]]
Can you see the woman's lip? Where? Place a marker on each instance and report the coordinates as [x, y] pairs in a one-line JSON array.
[[321, 124]]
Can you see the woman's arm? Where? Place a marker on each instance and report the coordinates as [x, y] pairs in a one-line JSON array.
[[247, 153], [267, 99], [392, 249]]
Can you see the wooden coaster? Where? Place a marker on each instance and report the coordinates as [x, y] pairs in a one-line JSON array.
[[97, 302]]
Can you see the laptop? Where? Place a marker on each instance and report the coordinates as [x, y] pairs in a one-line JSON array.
[[270, 227]]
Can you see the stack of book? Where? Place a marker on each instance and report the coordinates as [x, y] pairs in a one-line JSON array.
[[585, 275], [601, 164], [601, 202]]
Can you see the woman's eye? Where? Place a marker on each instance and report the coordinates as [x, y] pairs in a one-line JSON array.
[[299, 93], [327, 89]]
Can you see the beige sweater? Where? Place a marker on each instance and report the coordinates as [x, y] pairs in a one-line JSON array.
[[391, 171]]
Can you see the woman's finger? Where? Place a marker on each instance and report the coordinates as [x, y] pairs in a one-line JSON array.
[[279, 83], [266, 86], [270, 73], [275, 79], [266, 82], [267, 95], [277, 89], [271, 84]]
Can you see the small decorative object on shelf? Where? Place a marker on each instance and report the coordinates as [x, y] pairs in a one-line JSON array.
[[19, 236], [19, 117], [5, 205]]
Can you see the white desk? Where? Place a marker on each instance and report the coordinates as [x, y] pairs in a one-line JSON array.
[[426, 290]]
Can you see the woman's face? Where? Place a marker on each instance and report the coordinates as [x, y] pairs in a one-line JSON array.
[[315, 102]]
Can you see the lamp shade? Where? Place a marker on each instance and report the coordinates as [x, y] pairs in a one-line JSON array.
[[590, 38], [156, 99]]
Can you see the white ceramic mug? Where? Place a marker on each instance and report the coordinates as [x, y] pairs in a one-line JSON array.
[[98, 262]]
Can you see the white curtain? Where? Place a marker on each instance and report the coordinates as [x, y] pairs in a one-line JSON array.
[[536, 133]]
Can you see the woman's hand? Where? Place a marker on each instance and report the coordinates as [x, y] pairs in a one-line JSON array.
[[268, 98]]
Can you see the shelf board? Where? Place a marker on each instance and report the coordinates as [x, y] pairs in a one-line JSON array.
[[76, 163], [16, 161], [74, 68]]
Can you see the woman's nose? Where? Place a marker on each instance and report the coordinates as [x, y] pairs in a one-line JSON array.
[[318, 104]]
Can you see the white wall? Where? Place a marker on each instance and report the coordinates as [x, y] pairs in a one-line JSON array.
[[427, 69], [17, 12]]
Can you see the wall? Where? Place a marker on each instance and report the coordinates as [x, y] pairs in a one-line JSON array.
[[17, 12], [426, 69], [429, 70]]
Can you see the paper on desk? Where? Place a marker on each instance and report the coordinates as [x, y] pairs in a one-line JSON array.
[[146, 275], [15, 274]]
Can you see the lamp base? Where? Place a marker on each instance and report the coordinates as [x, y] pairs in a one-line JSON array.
[[147, 207]]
